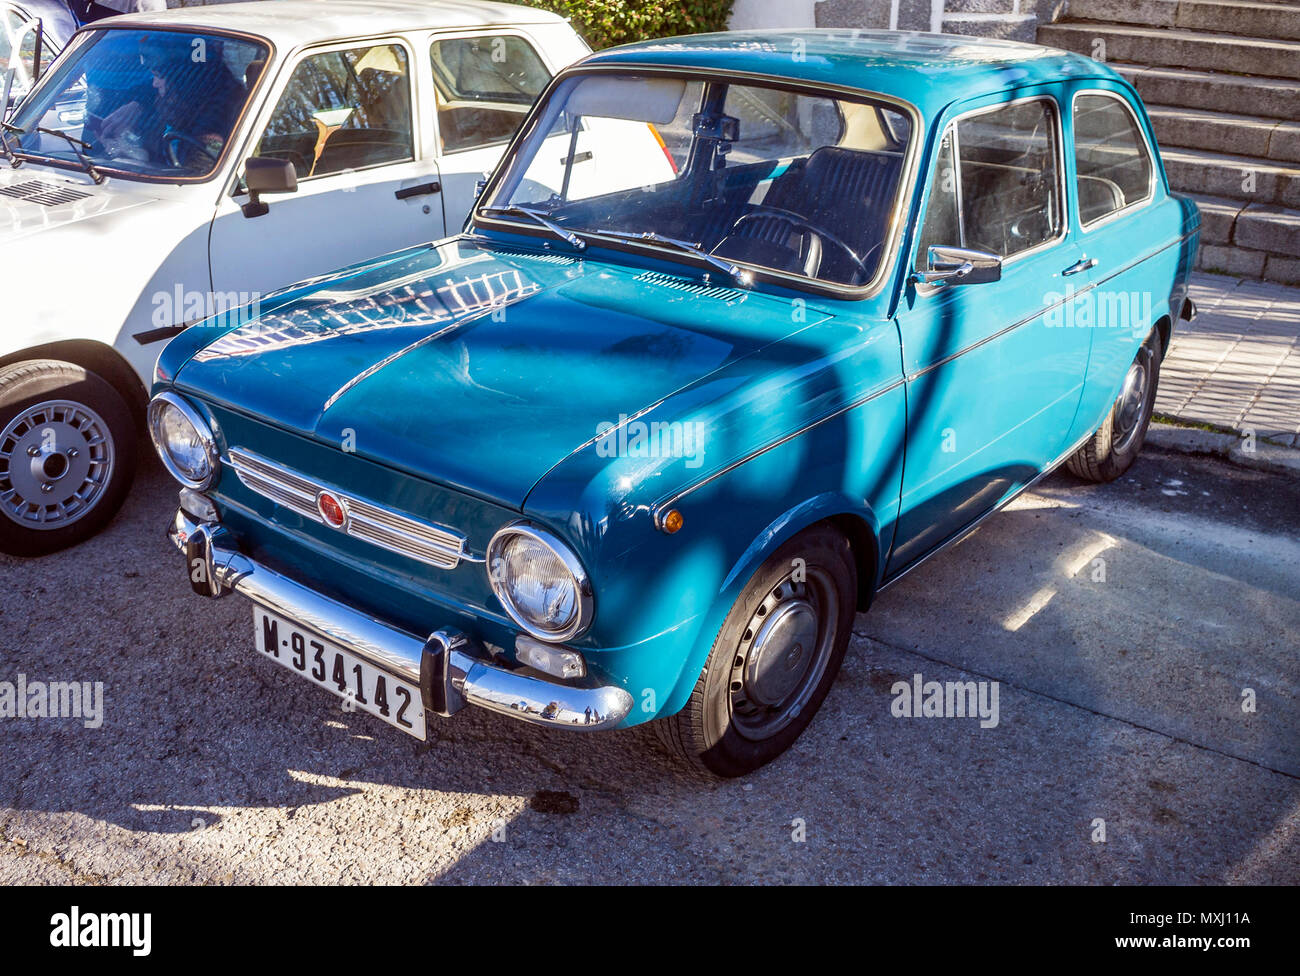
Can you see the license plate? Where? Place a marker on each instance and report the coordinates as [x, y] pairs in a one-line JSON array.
[[352, 678]]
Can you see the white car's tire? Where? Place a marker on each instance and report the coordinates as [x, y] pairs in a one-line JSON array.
[[67, 455]]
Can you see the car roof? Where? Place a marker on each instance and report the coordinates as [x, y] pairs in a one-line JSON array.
[[928, 70], [292, 23]]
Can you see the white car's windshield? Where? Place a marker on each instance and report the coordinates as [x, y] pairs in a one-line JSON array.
[[152, 103], [751, 175]]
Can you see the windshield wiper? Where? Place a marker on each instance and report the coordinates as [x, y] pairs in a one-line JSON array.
[[76, 144], [539, 217], [738, 274], [5, 129]]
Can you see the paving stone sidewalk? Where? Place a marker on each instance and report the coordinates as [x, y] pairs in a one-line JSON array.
[[1238, 364]]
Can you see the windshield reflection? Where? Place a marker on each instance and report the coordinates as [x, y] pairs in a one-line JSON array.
[[793, 181], [153, 103]]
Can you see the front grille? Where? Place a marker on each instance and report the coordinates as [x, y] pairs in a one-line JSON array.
[[425, 542], [46, 194]]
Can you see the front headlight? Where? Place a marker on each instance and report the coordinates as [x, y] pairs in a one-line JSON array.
[[540, 582], [183, 440]]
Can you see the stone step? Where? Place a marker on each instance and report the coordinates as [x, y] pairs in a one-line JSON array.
[[1009, 27], [980, 6], [1255, 226], [1176, 48], [1248, 18], [1218, 217], [1246, 178], [1244, 135], [1276, 98]]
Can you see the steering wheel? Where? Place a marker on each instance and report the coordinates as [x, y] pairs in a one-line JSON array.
[[795, 220], [170, 140]]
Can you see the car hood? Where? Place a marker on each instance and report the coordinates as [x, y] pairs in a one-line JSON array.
[[476, 366], [37, 200]]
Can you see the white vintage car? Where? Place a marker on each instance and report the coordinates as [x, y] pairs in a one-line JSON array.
[[126, 213]]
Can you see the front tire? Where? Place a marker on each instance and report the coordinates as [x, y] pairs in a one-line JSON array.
[[67, 456], [1116, 443], [774, 659]]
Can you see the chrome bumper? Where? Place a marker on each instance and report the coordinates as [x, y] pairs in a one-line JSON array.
[[443, 665]]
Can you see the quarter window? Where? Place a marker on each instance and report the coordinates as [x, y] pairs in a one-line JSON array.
[[1111, 158], [484, 87], [343, 110]]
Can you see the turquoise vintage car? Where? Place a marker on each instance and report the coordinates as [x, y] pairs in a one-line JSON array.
[[681, 399]]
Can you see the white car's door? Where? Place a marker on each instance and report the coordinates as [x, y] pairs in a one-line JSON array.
[[484, 84], [344, 116]]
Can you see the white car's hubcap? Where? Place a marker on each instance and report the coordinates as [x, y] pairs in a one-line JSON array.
[[56, 459]]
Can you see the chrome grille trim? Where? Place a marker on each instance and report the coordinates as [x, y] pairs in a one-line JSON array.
[[435, 545]]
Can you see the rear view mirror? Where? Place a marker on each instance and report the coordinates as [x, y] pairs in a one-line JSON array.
[[959, 266], [263, 174]]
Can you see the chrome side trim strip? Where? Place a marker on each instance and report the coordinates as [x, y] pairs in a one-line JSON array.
[[657, 509], [426, 542]]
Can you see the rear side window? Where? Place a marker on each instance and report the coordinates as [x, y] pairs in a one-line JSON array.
[[484, 87], [1111, 157]]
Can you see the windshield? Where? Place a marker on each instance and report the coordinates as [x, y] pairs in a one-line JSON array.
[[153, 103], [759, 176]]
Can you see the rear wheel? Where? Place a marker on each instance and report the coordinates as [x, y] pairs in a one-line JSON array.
[[67, 456], [1116, 443], [774, 659]]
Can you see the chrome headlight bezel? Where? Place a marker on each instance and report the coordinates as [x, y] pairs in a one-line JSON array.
[[170, 401], [586, 603]]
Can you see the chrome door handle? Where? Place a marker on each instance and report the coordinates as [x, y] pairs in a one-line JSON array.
[[1083, 264]]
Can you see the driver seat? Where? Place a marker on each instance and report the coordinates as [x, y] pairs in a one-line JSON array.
[[846, 191]]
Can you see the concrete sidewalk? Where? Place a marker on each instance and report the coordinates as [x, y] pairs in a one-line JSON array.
[[1238, 365]]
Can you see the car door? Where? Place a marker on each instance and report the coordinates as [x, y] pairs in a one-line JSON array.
[[992, 384], [344, 116], [1125, 228], [484, 85]]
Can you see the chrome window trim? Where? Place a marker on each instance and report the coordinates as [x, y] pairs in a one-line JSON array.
[[893, 228], [1136, 205], [586, 597], [201, 427], [380, 525]]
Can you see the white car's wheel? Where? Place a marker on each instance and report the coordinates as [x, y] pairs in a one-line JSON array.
[[67, 456]]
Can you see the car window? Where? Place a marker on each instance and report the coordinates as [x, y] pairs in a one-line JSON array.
[[484, 87], [17, 37], [781, 178], [1008, 176], [1111, 157], [343, 110]]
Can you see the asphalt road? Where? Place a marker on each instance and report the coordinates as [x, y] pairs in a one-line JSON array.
[[1120, 683]]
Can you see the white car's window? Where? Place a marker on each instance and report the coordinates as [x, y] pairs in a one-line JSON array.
[[154, 103], [343, 110], [1111, 158], [484, 87], [17, 46]]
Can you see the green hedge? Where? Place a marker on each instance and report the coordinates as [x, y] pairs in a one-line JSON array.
[[605, 23]]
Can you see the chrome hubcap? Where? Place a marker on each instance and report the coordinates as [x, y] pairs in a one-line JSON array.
[[783, 655], [1131, 404], [56, 459]]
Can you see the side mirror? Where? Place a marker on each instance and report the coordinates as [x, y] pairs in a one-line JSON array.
[[959, 266], [263, 174]]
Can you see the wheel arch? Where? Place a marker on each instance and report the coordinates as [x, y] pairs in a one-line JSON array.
[[96, 357], [853, 518]]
